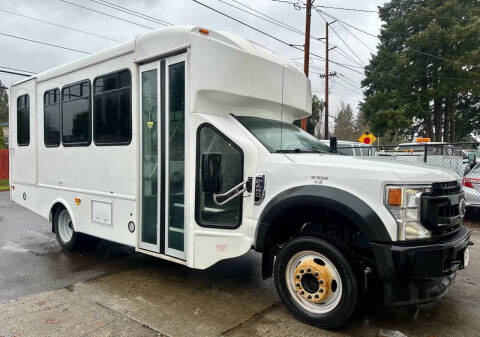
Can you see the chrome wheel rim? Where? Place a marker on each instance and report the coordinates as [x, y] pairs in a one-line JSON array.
[[313, 282], [65, 226]]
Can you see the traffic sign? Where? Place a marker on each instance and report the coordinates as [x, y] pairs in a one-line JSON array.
[[367, 138]]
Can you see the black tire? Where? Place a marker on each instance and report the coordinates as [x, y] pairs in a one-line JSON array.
[[74, 242], [340, 313]]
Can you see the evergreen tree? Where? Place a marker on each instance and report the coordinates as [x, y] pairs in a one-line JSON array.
[[360, 125], [426, 75], [2, 139], [344, 129], [3, 103]]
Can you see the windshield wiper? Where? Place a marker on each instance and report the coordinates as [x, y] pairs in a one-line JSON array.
[[301, 150]]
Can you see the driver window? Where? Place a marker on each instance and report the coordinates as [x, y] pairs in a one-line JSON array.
[[207, 213]]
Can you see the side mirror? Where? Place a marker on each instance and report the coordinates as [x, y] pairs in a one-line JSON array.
[[333, 144], [471, 158], [212, 179]]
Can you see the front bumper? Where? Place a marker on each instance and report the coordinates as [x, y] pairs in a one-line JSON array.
[[418, 273]]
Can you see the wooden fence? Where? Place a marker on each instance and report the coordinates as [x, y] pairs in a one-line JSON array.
[[3, 164]]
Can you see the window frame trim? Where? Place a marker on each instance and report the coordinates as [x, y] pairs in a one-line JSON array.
[[60, 125], [90, 131], [108, 92], [197, 178], [28, 143]]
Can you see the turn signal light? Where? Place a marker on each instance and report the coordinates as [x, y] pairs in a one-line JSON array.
[[395, 197], [204, 31], [78, 201]]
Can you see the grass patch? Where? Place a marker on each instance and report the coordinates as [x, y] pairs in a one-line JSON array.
[[4, 185]]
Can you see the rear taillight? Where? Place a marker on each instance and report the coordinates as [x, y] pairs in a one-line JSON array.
[[467, 182]]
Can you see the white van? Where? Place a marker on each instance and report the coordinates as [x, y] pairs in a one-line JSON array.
[[181, 144]]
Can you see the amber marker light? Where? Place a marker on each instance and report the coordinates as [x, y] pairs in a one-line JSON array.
[[204, 31], [78, 201], [395, 197]]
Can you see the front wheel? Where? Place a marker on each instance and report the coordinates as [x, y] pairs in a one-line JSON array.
[[316, 282]]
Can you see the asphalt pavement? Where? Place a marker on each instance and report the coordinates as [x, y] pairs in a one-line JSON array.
[[112, 291]]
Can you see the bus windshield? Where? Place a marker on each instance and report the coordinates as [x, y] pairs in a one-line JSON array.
[[283, 137]]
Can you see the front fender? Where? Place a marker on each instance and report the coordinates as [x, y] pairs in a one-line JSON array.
[[352, 207]]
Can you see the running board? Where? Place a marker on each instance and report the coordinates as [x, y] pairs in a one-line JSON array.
[[161, 256]]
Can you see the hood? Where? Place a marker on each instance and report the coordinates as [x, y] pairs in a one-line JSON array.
[[382, 168]]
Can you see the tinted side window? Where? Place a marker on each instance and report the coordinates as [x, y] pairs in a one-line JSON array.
[[76, 114], [112, 109], [207, 213], [51, 117], [23, 120]]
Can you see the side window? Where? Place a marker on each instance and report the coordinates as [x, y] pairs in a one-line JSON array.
[[76, 114], [112, 109], [51, 118], [23, 120], [206, 212]]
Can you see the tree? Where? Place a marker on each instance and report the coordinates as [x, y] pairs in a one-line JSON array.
[[344, 123], [360, 125], [426, 75], [314, 122], [3, 103]]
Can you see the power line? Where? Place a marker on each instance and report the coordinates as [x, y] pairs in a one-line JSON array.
[[377, 12], [348, 9], [246, 24], [346, 23], [443, 58], [106, 14], [25, 71], [132, 12], [14, 73], [269, 17], [351, 50], [58, 25], [45, 43]]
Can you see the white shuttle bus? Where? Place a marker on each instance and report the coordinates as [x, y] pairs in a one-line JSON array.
[[181, 144]]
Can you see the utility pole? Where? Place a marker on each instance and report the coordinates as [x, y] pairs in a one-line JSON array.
[[306, 59], [327, 74]]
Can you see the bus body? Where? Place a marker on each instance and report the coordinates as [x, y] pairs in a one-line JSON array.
[[181, 144]]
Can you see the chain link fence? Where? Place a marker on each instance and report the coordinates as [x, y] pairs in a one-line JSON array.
[[462, 158]]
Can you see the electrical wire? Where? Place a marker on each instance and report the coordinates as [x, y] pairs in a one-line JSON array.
[[132, 12], [58, 25], [14, 73], [106, 14], [25, 71], [44, 43]]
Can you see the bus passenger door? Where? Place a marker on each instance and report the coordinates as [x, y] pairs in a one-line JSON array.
[[163, 118]]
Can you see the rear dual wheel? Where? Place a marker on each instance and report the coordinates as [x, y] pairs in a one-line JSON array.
[[316, 282], [66, 235]]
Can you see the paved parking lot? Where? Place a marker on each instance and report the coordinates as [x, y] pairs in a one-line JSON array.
[[113, 292]]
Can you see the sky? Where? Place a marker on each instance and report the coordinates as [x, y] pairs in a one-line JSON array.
[[345, 87]]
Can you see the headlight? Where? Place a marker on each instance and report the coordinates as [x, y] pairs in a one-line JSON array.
[[403, 202]]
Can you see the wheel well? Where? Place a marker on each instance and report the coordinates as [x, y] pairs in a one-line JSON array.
[[53, 211], [314, 221]]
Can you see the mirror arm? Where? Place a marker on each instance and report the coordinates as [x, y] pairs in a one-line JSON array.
[[230, 191]]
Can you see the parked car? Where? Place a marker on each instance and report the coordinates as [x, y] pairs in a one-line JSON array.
[[471, 186], [351, 148]]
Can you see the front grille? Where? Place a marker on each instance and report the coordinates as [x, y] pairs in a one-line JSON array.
[[440, 211], [451, 187]]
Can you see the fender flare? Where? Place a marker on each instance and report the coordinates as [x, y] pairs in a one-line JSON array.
[[67, 207], [352, 207]]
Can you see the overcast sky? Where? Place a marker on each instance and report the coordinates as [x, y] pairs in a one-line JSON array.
[[33, 57]]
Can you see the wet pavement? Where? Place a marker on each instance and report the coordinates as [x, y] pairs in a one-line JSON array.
[[132, 295], [32, 261]]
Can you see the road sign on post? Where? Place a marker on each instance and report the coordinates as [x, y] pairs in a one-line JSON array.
[[367, 138]]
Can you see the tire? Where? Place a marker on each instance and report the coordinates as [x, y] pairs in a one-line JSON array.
[[67, 238], [309, 266]]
